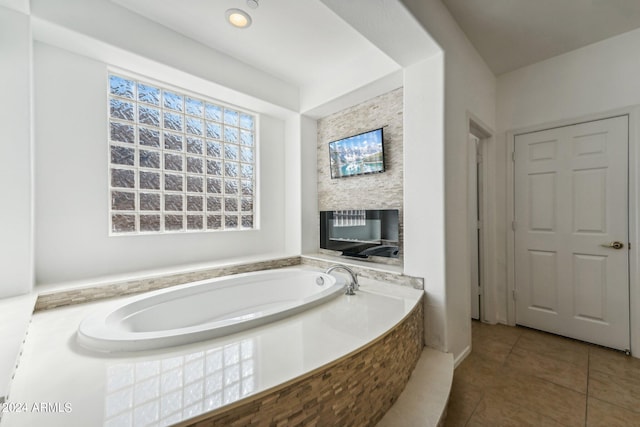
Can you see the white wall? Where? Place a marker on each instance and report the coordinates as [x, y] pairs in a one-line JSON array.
[[391, 29], [424, 223], [291, 186], [16, 259], [17, 5], [469, 89], [107, 22], [594, 79], [72, 184]]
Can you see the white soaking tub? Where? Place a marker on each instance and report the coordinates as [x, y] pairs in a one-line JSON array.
[[205, 309]]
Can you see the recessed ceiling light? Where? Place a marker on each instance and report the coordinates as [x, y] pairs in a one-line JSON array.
[[238, 18]]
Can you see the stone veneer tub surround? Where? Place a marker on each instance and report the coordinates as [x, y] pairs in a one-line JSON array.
[[384, 273], [328, 341], [63, 295], [60, 296]]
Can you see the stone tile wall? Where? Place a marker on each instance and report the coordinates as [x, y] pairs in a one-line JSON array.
[[48, 301], [382, 276], [375, 191], [356, 390]]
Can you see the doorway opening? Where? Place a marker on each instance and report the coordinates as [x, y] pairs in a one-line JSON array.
[[477, 142], [475, 224]]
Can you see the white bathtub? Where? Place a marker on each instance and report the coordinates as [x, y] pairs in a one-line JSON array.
[[206, 309]]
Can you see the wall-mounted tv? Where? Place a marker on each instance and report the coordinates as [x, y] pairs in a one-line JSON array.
[[357, 155]]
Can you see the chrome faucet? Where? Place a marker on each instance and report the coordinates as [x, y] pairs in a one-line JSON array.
[[353, 285]]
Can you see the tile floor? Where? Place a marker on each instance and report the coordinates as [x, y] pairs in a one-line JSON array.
[[521, 377]]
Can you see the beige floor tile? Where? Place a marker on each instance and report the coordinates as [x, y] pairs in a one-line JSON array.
[[547, 368], [462, 402], [503, 333], [494, 412], [554, 401], [603, 414], [475, 326], [543, 381], [554, 346], [621, 391], [614, 363], [491, 349], [478, 371]]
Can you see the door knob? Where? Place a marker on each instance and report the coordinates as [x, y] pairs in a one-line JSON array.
[[614, 245]]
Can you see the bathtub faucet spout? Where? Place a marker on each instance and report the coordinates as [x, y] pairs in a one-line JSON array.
[[353, 285]]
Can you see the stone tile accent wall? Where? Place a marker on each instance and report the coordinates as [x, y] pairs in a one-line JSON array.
[[48, 301], [356, 390], [382, 276], [375, 191]]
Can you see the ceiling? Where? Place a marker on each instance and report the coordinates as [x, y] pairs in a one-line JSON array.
[[304, 42], [299, 41], [510, 34]]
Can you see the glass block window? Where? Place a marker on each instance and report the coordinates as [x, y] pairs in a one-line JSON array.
[[177, 162], [350, 218]]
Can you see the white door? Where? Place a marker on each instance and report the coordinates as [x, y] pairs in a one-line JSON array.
[[571, 198]]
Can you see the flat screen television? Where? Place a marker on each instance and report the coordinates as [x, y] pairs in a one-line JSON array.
[[361, 233], [357, 155]]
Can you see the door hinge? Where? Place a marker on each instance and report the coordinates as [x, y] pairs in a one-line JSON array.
[[629, 245], [479, 290], [478, 158], [513, 156], [514, 295], [479, 225], [513, 225]]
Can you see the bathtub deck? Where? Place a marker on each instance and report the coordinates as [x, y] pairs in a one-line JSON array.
[[166, 386], [15, 316]]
